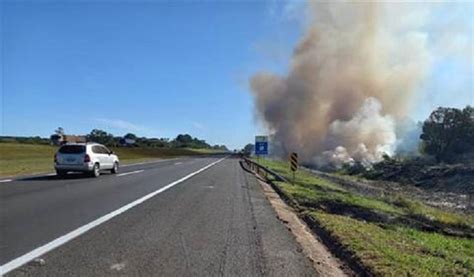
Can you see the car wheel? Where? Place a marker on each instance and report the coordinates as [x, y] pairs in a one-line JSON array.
[[95, 170], [114, 169]]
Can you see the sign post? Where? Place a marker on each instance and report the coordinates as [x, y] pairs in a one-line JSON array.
[[294, 164], [261, 146]]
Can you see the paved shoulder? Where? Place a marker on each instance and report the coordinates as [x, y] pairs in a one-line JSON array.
[[218, 223]]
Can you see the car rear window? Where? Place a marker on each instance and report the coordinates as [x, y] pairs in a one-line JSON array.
[[72, 149]]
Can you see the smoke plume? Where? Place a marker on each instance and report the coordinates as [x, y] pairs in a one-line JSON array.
[[352, 76]]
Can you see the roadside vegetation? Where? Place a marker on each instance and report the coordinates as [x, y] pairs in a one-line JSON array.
[[389, 235], [27, 158]]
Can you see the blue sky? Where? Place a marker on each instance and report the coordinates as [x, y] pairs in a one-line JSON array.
[[153, 68]]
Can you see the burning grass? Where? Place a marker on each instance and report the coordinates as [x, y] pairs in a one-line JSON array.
[[389, 234]]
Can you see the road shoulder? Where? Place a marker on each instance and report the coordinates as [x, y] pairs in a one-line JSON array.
[[322, 259], [282, 254]]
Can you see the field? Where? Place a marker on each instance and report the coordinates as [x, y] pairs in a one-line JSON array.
[[19, 158], [388, 234]]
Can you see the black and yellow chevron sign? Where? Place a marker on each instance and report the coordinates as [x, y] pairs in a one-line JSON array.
[[294, 161]]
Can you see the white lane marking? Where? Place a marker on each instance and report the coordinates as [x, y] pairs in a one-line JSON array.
[[6, 180], [157, 161], [118, 266], [177, 163], [15, 263], [128, 173]]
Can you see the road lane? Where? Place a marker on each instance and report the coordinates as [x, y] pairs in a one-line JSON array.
[[217, 223], [129, 173], [37, 210]]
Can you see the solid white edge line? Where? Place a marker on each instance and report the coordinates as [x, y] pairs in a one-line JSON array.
[[6, 180], [15, 263], [131, 172]]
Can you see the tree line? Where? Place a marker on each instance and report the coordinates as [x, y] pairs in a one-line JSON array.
[[108, 139], [181, 141]]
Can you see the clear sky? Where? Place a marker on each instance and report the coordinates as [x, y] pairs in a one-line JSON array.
[[155, 69], [152, 68]]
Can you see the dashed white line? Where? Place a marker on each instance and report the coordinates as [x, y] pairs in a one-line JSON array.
[[128, 173], [152, 162], [53, 173], [177, 163], [11, 265]]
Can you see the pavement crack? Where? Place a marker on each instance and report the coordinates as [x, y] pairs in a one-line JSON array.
[[186, 252]]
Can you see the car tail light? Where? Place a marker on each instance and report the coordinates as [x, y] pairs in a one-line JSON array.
[[87, 158]]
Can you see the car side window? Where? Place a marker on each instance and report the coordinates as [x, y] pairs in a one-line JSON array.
[[97, 149], [105, 150]]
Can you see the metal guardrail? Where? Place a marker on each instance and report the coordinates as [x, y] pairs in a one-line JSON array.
[[258, 167]]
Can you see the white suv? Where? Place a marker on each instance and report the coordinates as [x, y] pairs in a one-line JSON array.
[[85, 157]]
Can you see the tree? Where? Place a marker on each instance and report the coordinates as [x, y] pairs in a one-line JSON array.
[[130, 136], [101, 136], [59, 131], [248, 149], [57, 136], [188, 141], [220, 147], [448, 132]]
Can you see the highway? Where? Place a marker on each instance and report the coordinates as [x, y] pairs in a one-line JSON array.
[[191, 216]]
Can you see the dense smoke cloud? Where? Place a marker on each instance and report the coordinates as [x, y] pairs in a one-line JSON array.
[[352, 76]]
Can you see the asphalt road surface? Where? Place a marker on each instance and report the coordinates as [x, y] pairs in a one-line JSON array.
[[201, 216]]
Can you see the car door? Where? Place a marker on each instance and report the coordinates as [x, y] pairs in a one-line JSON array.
[[108, 162], [100, 155]]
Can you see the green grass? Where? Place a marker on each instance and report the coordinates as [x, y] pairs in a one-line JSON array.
[[19, 158], [383, 232], [401, 251], [16, 158]]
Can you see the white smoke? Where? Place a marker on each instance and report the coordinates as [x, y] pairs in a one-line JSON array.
[[368, 134]]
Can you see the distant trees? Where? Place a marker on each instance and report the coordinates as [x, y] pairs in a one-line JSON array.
[[248, 149], [100, 136], [59, 131], [220, 147], [448, 133], [185, 140], [181, 141], [57, 136], [103, 137], [130, 136]]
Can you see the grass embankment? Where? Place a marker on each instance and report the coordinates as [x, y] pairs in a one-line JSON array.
[[19, 158], [390, 235]]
